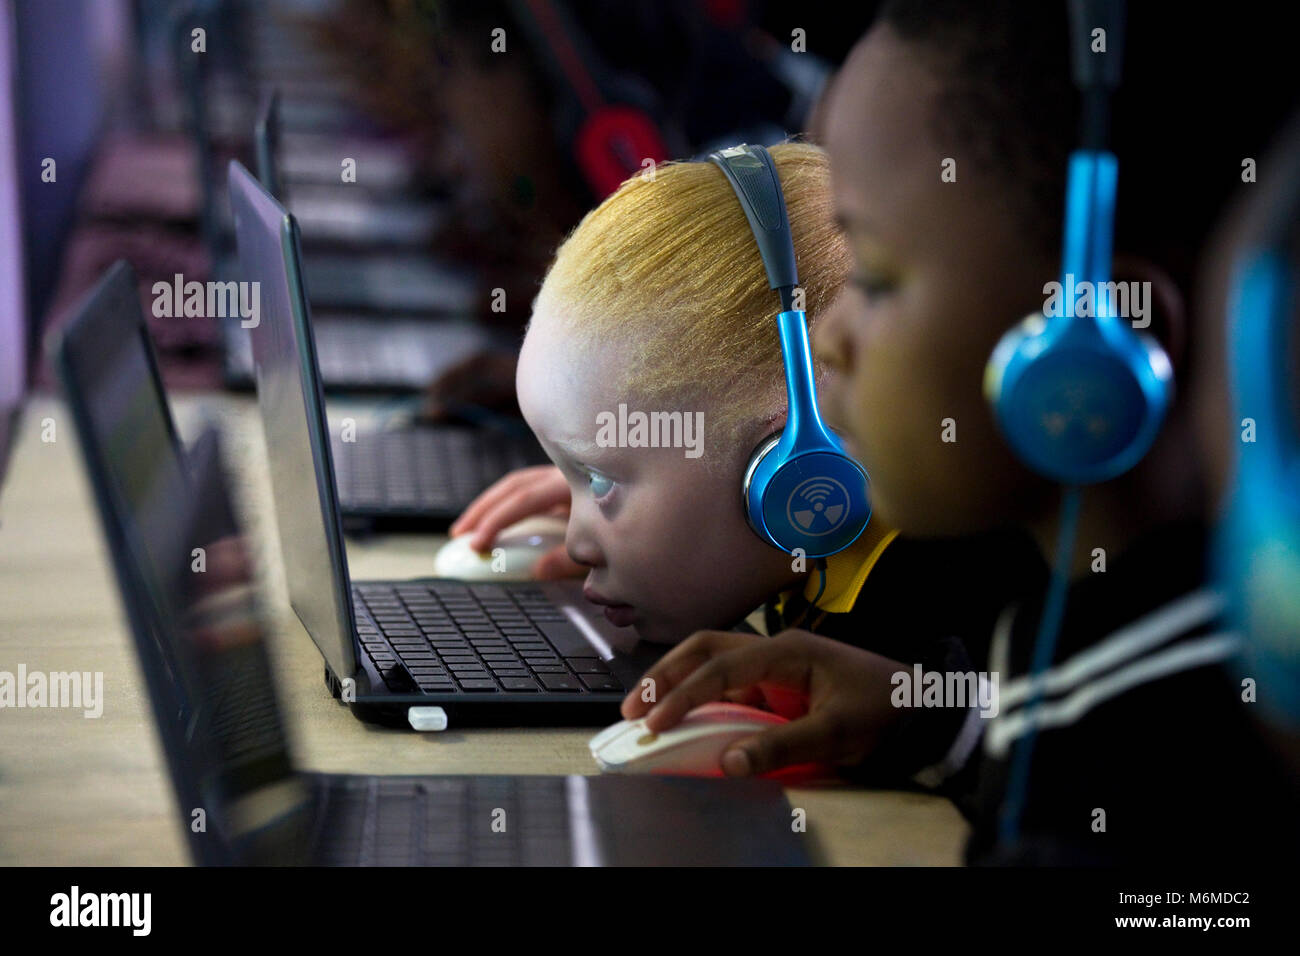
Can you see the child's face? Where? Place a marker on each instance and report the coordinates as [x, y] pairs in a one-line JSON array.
[[941, 270], [663, 533]]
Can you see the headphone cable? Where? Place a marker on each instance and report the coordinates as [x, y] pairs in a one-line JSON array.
[[821, 588], [1049, 629]]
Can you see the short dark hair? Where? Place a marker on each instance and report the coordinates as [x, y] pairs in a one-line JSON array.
[[1199, 93]]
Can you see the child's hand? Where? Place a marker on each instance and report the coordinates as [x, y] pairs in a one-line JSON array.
[[847, 689], [521, 494]]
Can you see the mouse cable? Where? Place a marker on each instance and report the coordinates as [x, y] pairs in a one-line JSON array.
[[1049, 629]]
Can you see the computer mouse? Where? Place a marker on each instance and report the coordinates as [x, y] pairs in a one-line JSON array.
[[511, 557], [692, 748]]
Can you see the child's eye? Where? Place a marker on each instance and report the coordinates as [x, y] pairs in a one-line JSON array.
[[601, 485], [873, 286]]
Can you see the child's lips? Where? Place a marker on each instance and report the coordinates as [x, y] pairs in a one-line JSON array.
[[620, 615]]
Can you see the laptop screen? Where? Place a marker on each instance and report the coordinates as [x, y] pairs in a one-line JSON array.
[[116, 393], [293, 421], [178, 558]]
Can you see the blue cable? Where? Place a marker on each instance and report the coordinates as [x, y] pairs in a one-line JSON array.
[[1049, 629]]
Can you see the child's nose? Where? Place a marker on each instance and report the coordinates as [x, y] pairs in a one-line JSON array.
[[581, 544]]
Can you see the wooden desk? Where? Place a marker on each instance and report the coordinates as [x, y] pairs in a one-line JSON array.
[[94, 791]]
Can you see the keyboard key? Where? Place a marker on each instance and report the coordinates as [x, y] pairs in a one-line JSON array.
[[519, 684], [560, 682], [601, 682], [478, 686]]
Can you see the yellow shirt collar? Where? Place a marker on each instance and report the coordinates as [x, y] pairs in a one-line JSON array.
[[847, 571]]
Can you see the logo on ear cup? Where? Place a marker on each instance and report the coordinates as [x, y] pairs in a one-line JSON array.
[[818, 506]]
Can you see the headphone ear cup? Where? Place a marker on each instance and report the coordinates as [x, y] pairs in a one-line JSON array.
[[816, 501], [1079, 411], [751, 490]]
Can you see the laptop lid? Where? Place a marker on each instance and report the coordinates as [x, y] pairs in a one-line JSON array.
[[15, 318], [266, 137], [172, 537], [286, 373]]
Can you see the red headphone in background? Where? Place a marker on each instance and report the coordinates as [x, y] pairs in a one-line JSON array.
[[606, 119]]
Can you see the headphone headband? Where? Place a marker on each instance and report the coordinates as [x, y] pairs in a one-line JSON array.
[[801, 492], [752, 174], [1091, 71], [1096, 73]]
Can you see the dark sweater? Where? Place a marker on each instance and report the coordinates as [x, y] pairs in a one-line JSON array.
[[1145, 725]]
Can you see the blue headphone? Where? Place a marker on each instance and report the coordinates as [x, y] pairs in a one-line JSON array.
[[1257, 551], [1081, 398], [801, 490]]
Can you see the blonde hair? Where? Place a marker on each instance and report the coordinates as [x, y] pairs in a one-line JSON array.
[[670, 264]]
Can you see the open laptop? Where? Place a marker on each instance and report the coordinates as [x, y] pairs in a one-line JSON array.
[[415, 474], [199, 638], [339, 213], [17, 317], [365, 349], [407, 285], [374, 273], [522, 652]]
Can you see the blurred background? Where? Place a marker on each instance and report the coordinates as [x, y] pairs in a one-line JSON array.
[[479, 132]]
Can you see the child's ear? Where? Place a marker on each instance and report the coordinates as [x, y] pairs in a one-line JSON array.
[[1165, 304]]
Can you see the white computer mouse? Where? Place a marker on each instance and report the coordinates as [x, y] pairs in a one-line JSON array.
[[511, 557], [692, 748]]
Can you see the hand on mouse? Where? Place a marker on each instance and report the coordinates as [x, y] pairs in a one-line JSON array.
[[848, 691], [521, 494]]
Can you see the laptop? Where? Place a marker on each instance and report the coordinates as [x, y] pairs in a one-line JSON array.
[[524, 652], [407, 352], [401, 478], [368, 349], [18, 321], [199, 638], [382, 278], [334, 212], [408, 284]]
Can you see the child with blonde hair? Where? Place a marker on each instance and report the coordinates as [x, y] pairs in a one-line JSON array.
[[658, 304], [656, 321]]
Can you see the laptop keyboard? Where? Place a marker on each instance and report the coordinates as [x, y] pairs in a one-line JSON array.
[[446, 637], [438, 469], [241, 706], [445, 821]]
